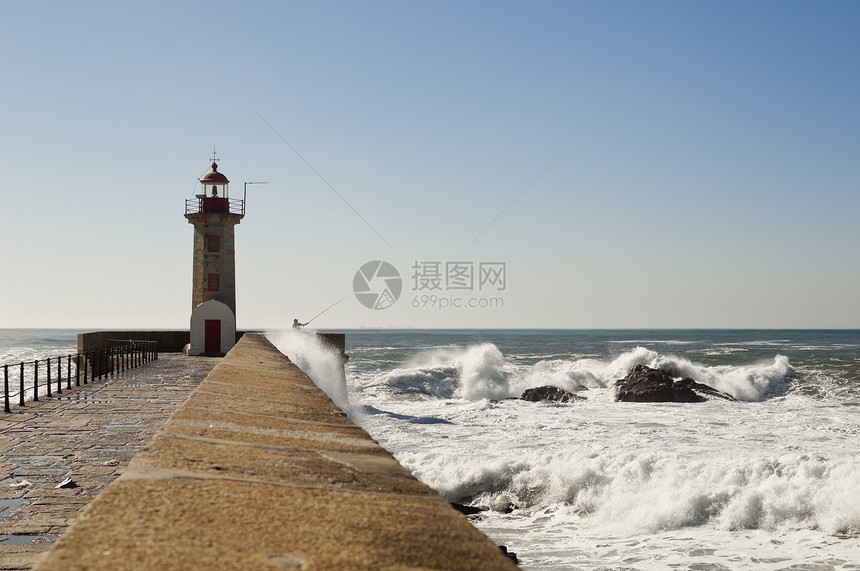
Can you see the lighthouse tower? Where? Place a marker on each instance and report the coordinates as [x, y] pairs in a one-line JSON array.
[[213, 294]]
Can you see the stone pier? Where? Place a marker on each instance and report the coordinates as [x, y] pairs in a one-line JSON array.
[[258, 469], [89, 434]]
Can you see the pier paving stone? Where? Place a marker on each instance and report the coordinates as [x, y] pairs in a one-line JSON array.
[[88, 433]]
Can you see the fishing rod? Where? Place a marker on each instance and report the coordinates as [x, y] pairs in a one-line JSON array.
[[327, 308]]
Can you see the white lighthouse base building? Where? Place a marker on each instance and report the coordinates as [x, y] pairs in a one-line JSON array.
[[213, 329]]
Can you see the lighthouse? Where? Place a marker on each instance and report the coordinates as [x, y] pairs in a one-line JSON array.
[[214, 216]]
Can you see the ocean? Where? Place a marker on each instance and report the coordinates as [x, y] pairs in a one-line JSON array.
[[770, 482], [17, 345]]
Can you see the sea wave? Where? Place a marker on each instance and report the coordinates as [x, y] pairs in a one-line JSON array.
[[319, 361], [650, 492], [481, 371]]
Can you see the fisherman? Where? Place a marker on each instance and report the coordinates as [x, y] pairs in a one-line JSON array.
[[297, 326]]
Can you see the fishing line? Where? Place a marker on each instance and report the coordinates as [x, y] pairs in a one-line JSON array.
[[327, 308], [535, 179], [322, 178]]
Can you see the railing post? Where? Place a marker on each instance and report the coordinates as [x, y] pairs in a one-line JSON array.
[[92, 363], [48, 384], [21, 393], [6, 388], [69, 372], [59, 374], [35, 380]]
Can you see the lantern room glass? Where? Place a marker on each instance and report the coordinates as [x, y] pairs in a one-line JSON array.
[[215, 190]]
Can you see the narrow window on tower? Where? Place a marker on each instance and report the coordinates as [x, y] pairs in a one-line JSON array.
[[213, 242], [214, 282]]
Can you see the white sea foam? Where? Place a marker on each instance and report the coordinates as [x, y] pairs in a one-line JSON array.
[[317, 360], [482, 372], [590, 479], [764, 484], [650, 492], [652, 341]]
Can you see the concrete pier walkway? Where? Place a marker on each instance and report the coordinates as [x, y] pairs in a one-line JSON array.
[[89, 433], [258, 469]]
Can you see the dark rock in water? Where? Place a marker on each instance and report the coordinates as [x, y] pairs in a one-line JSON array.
[[703, 389], [644, 384], [549, 394], [509, 554], [466, 510]]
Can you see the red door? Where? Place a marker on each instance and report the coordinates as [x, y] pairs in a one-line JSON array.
[[213, 336]]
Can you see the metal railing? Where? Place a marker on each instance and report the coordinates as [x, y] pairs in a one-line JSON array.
[[215, 204], [88, 366]]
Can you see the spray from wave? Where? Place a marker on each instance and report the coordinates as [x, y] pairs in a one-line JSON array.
[[481, 372], [320, 362], [651, 492]]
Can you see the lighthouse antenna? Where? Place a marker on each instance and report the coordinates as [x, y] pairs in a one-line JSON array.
[[245, 198]]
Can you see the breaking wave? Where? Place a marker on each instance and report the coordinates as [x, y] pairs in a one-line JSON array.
[[650, 492], [321, 363], [481, 372]]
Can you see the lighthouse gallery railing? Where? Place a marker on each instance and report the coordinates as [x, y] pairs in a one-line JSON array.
[[215, 204]]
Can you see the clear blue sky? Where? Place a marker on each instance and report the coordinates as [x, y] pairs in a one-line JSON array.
[[712, 181]]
